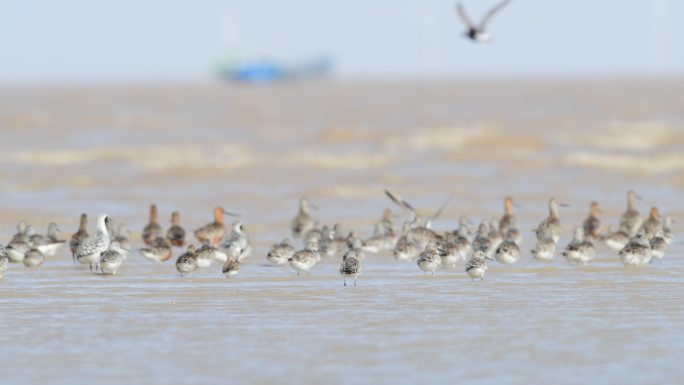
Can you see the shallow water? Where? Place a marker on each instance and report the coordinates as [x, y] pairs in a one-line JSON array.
[[256, 150]]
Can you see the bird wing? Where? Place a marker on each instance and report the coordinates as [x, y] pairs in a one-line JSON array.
[[400, 201], [464, 16], [491, 13]]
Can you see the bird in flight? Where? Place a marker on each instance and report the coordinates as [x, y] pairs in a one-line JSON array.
[[477, 33]]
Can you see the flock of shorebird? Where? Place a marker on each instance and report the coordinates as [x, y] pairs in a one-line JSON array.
[[638, 241]]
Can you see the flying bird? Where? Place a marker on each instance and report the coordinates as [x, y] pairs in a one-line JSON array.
[[477, 33]]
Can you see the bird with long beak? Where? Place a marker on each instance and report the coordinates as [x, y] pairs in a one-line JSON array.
[[631, 219], [550, 227], [152, 230], [592, 224], [652, 223], [214, 231]]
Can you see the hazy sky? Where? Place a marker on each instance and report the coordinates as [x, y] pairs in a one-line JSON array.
[[130, 40]]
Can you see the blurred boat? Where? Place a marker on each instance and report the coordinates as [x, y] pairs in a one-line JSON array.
[[264, 71]]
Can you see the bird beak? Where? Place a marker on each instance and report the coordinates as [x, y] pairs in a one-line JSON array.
[[563, 205], [489, 258], [228, 213], [313, 206], [639, 197]]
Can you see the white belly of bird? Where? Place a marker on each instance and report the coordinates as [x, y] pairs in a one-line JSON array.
[[204, 262], [110, 267], [371, 248], [544, 253], [576, 257], [302, 265], [89, 259], [454, 258], [231, 273], [658, 254], [33, 261], [429, 266], [631, 259], [185, 268], [507, 258], [276, 260], [615, 245], [476, 272], [49, 250], [220, 256], [15, 255]]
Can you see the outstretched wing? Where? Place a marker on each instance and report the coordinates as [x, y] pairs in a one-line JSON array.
[[491, 13], [464, 16], [400, 201]]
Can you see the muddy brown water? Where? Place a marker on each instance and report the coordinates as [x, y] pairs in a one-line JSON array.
[[116, 149]]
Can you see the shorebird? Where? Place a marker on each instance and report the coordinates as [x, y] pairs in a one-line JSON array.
[[631, 219], [176, 234], [304, 260], [544, 249], [417, 230], [238, 240], [658, 244], [592, 224], [90, 249], [457, 247], [21, 234], [315, 234], [652, 223], [579, 251], [351, 262], [205, 255], [334, 242], [4, 261], [303, 222], [477, 265], [111, 259], [550, 227], [508, 252], [474, 32], [231, 268], [482, 241], [379, 242], [508, 225], [158, 251], [281, 252], [637, 252], [215, 231], [79, 236], [615, 240], [495, 237], [121, 237], [384, 226], [47, 244], [186, 262], [17, 249], [405, 250], [153, 229], [33, 258], [421, 236], [430, 260]]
